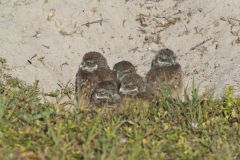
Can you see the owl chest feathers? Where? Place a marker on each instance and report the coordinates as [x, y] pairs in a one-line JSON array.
[[170, 74]]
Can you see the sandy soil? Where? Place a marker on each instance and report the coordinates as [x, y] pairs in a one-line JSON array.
[[45, 39]]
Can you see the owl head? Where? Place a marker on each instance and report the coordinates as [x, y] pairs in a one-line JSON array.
[[106, 92], [92, 61], [132, 85], [123, 68], [164, 57]]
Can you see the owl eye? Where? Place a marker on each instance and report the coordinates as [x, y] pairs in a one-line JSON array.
[[128, 85], [126, 71], [90, 62]]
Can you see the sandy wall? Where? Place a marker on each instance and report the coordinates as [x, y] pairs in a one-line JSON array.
[[45, 39]]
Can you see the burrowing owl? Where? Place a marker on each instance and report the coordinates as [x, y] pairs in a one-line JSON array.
[[92, 70], [123, 68], [165, 69], [105, 93]]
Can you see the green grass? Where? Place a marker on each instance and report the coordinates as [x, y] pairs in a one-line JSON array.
[[198, 127]]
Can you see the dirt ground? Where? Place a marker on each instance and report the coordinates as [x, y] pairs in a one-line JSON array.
[[45, 39]]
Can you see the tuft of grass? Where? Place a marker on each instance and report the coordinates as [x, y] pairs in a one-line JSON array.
[[197, 127]]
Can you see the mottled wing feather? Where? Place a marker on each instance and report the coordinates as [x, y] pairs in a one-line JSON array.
[[105, 74], [84, 85]]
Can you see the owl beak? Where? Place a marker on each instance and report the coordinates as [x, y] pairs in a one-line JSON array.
[[85, 67]]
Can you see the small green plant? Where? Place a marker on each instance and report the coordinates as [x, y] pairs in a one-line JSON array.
[[197, 127]]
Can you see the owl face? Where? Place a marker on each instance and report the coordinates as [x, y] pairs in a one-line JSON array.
[[123, 68], [132, 85], [165, 57], [92, 61], [129, 89], [89, 66], [105, 93]]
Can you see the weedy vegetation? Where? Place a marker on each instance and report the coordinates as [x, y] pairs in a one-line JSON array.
[[195, 127]]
